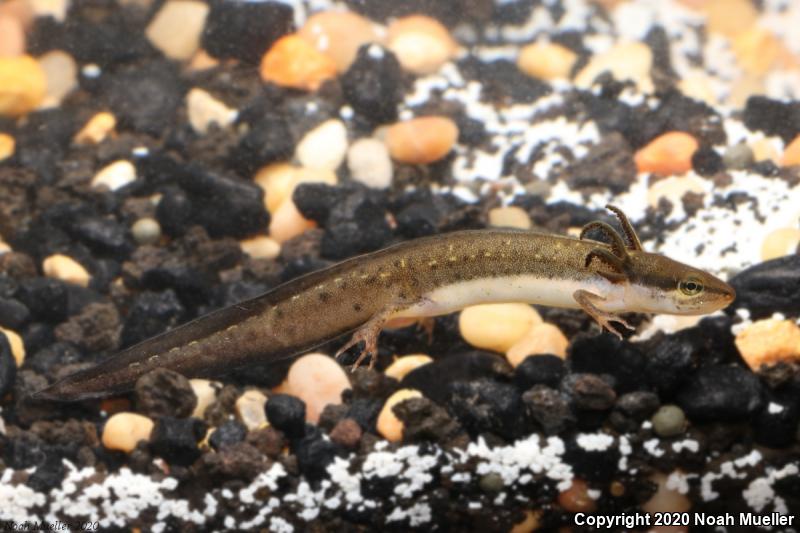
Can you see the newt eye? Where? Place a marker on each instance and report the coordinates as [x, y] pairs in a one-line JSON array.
[[691, 286]]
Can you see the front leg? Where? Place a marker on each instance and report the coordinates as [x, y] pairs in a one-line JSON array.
[[588, 300]]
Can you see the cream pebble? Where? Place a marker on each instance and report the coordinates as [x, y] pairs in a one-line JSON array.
[[124, 430], [674, 188], [509, 217], [294, 62], [175, 30], [769, 341], [65, 268], [541, 339], [369, 163], [278, 181], [665, 500], [780, 242], [403, 365], [287, 222], [791, 155], [625, 61], [576, 498], [97, 129], [23, 85], [16, 344], [323, 147], [4, 247], [204, 110], [421, 140], [250, 409], [50, 8], [206, 393], [669, 153], [339, 35], [7, 146], [547, 61], [61, 72], [261, 247], [497, 327], [318, 380], [115, 176], [146, 230], [388, 425], [422, 44], [12, 36]]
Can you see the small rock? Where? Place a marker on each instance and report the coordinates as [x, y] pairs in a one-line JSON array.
[[261, 247], [589, 392], [67, 269], [144, 98], [323, 147], [346, 433], [549, 408], [103, 235], [720, 394], [674, 188], [318, 380], [547, 61], [388, 425], [61, 73], [403, 365], [369, 163], [8, 366], [423, 420], [491, 482], [773, 117], [779, 243], [766, 342], [539, 370], [314, 453], [509, 217], [146, 231], [267, 141], [279, 181], [175, 439], [625, 61], [738, 156], [176, 28], [541, 339], [421, 140], [791, 155], [373, 85], [163, 392], [576, 498], [605, 354], [269, 441], [287, 414], [668, 154], [669, 421], [23, 85], [14, 313], [7, 146], [206, 393], [237, 461], [769, 287], [706, 161], [294, 62], [97, 129], [497, 327], [339, 35], [486, 405], [12, 36], [632, 409], [149, 314], [95, 328], [776, 425], [115, 176], [245, 30], [228, 434], [250, 409], [421, 43], [46, 298], [205, 110], [15, 343], [124, 430], [666, 499]]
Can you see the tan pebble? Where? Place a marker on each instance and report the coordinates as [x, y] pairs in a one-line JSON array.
[[697, 84], [115, 175], [403, 365], [729, 17], [541, 339], [7, 146], [124, 430], [22, 10], [780, 242], [294, 62], [746, 86], [769, 341], [23, 85], [339, 35], [665, 500], [388, 425], [757, 50], [547, 61], [206, 393], [576, 498], [204, 110], [61, 72], [673, 188], [202, 60], [97, 128], [791, 155], [531, 522], [250, 409], [287, 222], [50, 8], [16, 344], [261, 247], [421, 140], [176, 28], [422, 44], [66, 269], [369, 163], [4, 247], [667, 154], [766, 148], [278, 181], [509, 217], [323, 147], [318, 380], [12, 36], [625, 61], [497, 327]]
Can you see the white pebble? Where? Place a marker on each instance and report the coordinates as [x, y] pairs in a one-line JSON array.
[[205, 110], [66, 269], [176, 28], [323, 147], [206, 393], [61, 72], [146, 230], [4, 247], [261, 247], [370, 164], [116, 175], [250, 409]]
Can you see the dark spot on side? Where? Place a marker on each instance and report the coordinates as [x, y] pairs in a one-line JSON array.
[[278, 313], [356, 307], [324, 296]]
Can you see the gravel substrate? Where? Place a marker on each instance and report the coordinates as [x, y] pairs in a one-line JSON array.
[[156, 165]]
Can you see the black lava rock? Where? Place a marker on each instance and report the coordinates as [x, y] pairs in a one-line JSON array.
[[48, 474], [228, 434], [8, 366], [268, 140], [589, 392], [163, 392], [671, 358], [434, 379], [706, 161], [46, 298], [502, 81], [608, 165], [539, 370], [721, 394], [632, 409], [776, 425], [13, 313], [486, 406], [174, 211], [549, 408], [596, 465], [287, 413], [245, 30], [373, 84], [103, 235], [424, 420], [365, 411], [773, 117], [175, 439], [52, 357], [606, 354], [314, 453], [151, 313], [768, 287], [236, 461]]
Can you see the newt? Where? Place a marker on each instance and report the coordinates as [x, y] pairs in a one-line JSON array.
[[419, 278]]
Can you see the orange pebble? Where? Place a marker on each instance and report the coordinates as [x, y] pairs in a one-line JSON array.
[[421, 140], [667, 154], [294, 62], [12, 36], [791, 156], [339, 35], [576, 499]]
